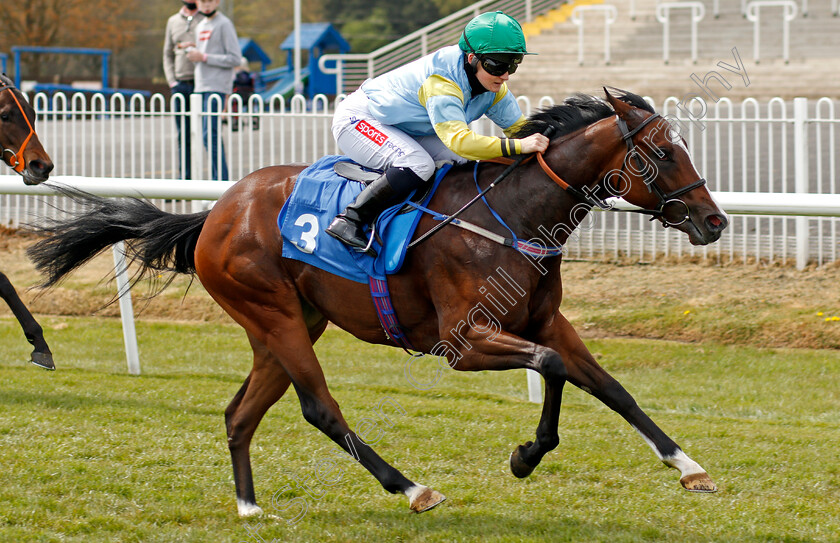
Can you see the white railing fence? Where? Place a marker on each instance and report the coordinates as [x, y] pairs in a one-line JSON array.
[[747, 147]]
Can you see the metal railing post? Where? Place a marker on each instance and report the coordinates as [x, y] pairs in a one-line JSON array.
[[752, 14], [800, 160], [663, 15], [610, 16], [196, 137], [132, 354], [196, 149]]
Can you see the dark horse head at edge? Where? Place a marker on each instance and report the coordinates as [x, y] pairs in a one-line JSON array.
[[22, 150]]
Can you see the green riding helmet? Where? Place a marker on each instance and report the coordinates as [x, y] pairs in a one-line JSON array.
[[493, 32]]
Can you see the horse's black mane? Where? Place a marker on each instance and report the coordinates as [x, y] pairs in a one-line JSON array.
[[576, 112]]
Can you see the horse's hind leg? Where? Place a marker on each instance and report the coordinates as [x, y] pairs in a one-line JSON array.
[[283, 337], [263, 387], [322, 411], [41, 356]]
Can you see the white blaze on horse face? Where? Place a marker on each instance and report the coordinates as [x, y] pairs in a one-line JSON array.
[[679, 460]]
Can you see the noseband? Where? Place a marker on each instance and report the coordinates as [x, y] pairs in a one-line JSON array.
[[17, 162], [671, 210]]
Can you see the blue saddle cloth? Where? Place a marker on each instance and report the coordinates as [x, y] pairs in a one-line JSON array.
[[319, 195]]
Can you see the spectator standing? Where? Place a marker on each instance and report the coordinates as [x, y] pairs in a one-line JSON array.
[[215, 54], [243, 85], [180, 75]]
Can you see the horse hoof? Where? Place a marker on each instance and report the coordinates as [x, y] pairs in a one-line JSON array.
[[698, 482], [248, 509], [518, 466], [42, 360], [424, 498]]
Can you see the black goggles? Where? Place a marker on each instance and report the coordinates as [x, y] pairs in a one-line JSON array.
[[499, 67]]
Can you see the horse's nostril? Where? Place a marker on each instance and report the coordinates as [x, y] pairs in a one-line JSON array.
[[715, 223], [41, 167]]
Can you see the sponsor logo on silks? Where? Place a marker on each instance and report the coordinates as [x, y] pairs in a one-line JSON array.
[[397, 150], [371, 133]]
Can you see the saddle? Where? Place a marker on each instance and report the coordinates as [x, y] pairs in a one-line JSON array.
[[357, 172], [319, 195]]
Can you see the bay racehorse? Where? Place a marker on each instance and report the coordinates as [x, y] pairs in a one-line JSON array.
[[442, 295], [23, 152]]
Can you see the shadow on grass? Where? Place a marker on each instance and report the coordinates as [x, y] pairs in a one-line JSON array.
[[71, 401], [450, 523]]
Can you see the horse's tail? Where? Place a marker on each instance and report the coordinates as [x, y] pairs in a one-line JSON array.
[[155, 240]]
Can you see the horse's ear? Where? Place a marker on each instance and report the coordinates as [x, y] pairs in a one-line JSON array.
[[619, 106]]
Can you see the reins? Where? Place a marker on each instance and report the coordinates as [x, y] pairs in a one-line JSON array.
[[18, 164], [549, 131], [666, 200]]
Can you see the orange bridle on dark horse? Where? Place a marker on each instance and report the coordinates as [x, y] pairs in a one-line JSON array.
[[18, 163]]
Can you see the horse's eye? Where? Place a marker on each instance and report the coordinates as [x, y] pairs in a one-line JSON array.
[[4, 116], [662, 155]]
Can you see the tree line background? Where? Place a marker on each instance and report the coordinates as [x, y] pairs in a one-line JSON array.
[[134, 31]]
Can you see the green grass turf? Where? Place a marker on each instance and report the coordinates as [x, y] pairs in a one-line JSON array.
[[89, 453]]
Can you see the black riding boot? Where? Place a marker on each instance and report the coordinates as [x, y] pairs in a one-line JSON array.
[[349, 227], [393, 185]]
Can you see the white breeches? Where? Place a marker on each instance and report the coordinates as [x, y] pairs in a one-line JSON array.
[[380, 146]]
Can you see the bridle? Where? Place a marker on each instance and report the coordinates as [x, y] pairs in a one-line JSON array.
[[17, 162], [671, 210], [678, 209]]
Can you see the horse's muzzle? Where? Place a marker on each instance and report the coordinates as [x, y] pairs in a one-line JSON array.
[[37, 171], [710, 230]]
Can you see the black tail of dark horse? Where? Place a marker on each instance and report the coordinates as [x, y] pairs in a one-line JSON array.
[[154, 240]]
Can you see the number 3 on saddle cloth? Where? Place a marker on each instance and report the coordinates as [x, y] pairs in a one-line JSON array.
[[318, 196]]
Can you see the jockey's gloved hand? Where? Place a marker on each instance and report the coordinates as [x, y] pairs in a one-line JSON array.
[[535, 143]]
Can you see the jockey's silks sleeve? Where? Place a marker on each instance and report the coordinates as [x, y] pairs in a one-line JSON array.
[[444, 101]]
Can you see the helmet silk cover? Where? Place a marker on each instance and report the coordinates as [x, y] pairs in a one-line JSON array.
[[493, 32]]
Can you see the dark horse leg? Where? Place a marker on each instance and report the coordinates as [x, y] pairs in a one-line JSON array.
[[562, 356], [41, 356], [585, 373]]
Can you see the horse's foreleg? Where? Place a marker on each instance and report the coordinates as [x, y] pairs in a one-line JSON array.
[[505, 351], [526, 457], [41, 356], [585, 373]]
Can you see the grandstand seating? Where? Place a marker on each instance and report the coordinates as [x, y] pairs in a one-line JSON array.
[[637, 53]]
